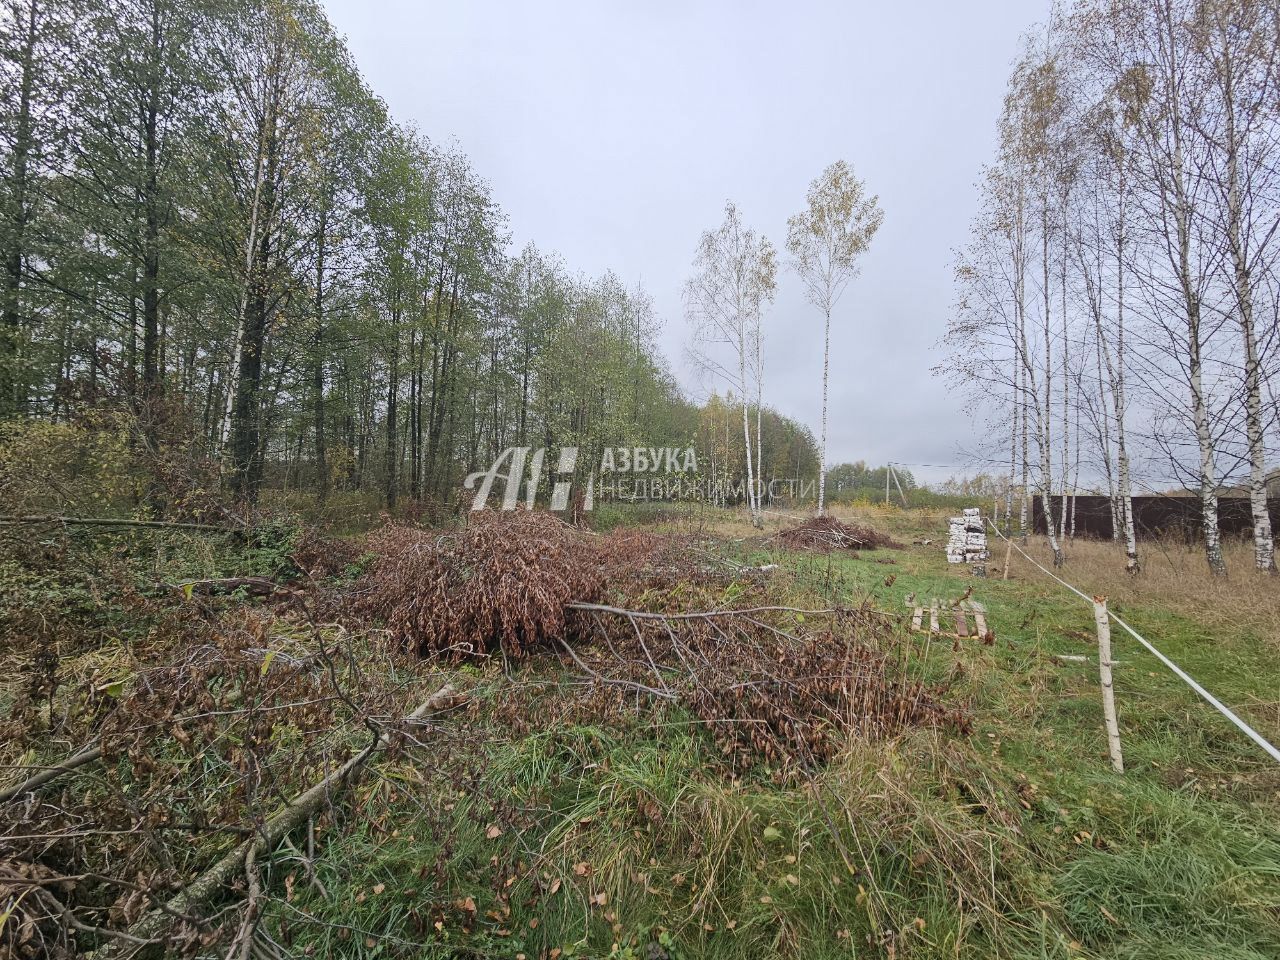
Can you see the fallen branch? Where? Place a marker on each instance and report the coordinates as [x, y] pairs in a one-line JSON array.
[[47, 774], [255, 586], [612, 681], [110, 522], [196, 894], [703, 614]]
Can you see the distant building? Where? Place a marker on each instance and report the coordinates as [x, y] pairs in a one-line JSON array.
[[1272, 480]]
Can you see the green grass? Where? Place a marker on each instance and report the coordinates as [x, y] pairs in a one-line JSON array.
[[628, 839]]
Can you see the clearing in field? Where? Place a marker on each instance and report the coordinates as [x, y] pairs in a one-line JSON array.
[[521, 737]]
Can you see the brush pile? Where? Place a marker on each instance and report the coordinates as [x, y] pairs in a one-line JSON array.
[[128, 776], [828, 533], [501, 584], [793, 707], [774, 686]]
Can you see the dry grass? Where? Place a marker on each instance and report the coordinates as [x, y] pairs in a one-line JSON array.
[[735, 523], [1174, 576]]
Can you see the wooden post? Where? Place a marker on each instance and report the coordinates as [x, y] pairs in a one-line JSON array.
[[1008, 555], [1103, 623], [979, 618]]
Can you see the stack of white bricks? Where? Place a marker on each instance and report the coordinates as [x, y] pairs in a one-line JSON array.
[[967, 542]]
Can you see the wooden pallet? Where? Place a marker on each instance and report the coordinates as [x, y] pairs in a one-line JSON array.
[[970, 619]]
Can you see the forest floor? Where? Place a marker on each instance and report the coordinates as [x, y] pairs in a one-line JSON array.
[[632, 794]]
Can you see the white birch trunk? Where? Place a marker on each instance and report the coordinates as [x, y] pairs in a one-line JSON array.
[[1046, 486], [1043, 424], [1208, 474], [1013, 466], [746, 433], [1024, 505], [1066, 385], [759, 456], [1263, 542], [822, 445], [1116, 376], [1182, 217], [1112, 498]]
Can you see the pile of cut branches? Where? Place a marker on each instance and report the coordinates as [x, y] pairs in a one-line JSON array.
[[183, 747], [500, 584], [828, 533], [774, 685]]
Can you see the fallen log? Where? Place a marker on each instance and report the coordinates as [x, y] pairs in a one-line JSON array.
[[193, 898]]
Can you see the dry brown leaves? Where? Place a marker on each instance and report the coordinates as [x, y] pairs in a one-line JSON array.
[[224, 718], [318, 556]]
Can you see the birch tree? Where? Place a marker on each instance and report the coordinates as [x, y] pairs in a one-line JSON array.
[[1140, 166], [825, 241], [1100, 249], [1164, 92], [1032, 145], [1237, 41], [735, 274], [267, 122]]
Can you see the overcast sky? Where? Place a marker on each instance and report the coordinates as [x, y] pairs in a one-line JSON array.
[[613, 134]]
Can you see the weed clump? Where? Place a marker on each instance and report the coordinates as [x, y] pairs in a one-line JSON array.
[[319, 556], [793, 707]]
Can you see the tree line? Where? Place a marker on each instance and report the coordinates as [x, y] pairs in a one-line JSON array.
[[1119, 295], [208, 218]]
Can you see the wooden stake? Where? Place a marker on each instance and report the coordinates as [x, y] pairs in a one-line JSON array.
[[1008, 555], [979, 617], [1103, 623]]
